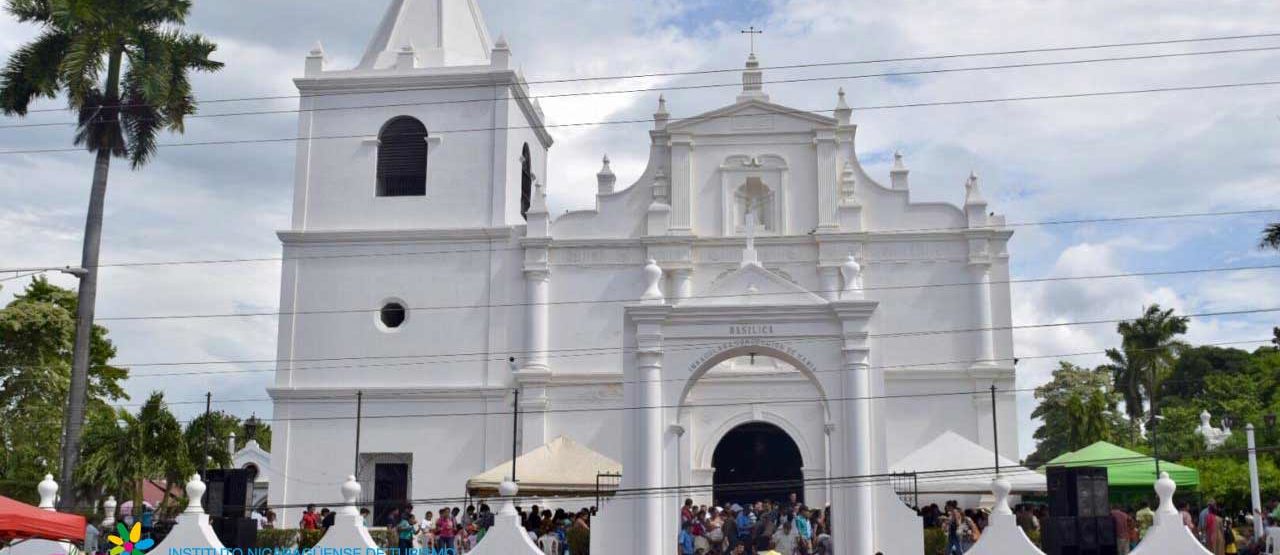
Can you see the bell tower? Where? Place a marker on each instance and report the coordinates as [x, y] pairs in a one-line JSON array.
[[433, 129]]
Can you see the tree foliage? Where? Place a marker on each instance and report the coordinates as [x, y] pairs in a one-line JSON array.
[[37, 330], [1077, 408], [123, 66]]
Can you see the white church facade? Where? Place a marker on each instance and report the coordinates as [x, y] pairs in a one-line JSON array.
[[753, 287]]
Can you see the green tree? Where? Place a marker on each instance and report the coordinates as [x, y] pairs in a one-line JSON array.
[[124, 68], [123, 451], [37, 330], [1077, 407], [220, 427], [1151, 344], [1127, 379]]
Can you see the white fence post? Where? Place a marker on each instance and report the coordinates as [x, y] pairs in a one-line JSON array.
[[506, 537], [1168, 536], [348, 529], [193, 529], [1003, 536]]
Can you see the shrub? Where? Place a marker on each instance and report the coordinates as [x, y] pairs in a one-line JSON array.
[[935, 541], [309, 538], [277, 538]]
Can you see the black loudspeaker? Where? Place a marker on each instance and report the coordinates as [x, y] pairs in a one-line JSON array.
[[1080, 514], [241, 533], [229, 493]]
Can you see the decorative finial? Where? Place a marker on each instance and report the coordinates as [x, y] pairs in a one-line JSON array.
[[840, 102], [662, 104], [1001, 488], [109, 512], [48, 490], [350, 493], [317, 49], [653, 276], [605, 179], [502, 43], [898, 164], [195, 490], [1165, 489], [852, 273]]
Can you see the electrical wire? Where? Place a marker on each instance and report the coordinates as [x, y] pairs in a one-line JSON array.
[[737, 69], [1096, 94], [764, 241], [783, 295], [673, 88]]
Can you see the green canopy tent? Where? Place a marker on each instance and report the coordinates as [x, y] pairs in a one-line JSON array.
[[1128, 469]]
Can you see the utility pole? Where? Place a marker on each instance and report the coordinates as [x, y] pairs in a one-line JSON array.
[[1254, 490], [208, 430], [359, 411]]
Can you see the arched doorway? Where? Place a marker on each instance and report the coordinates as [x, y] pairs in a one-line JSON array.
[[754, 453]]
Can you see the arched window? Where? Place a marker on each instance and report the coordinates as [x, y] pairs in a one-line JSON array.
[[526, 181], [402, 158]]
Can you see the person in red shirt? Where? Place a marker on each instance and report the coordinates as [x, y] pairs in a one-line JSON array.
[[1124, 529], [446, 529], [310, 520]]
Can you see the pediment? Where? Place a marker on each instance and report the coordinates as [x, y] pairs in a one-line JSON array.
[[752, 284], [751, 116]]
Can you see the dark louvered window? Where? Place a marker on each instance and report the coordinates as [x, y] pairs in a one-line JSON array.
[[402, 158], [526, 181]]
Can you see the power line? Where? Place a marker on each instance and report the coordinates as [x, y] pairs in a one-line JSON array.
[[348, 399], [736, 69], [673, 88], [320, 312], [1097, 94], [763, 241]]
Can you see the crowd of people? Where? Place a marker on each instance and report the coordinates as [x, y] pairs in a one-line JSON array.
[[454, 531], [1221, 532], [760, 528]]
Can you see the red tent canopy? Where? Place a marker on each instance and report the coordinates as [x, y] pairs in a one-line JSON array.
[[20, 521]]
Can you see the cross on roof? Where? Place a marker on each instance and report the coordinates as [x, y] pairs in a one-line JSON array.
[[751, 33]]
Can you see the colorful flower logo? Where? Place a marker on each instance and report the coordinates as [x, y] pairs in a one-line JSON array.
[[129, 542]]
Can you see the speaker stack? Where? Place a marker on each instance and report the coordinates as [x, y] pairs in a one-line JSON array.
[[1079, 513], [228, 500]]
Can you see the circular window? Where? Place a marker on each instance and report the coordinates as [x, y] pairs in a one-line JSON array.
[[392, 315]]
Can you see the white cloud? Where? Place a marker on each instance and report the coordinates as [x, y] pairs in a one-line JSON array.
[[1158, 153]]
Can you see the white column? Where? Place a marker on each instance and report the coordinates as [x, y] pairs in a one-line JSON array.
[[652, 540], [683, 283], [537, 319], [828, 187], [681, 185], [1254, 490], [982, 303], [861, 499]]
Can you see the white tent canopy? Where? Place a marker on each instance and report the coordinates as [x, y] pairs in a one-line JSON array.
[[953, 464], [560, 466]]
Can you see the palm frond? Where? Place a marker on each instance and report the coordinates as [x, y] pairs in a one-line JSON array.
[[1271, 237], [161, 12], [30, 11], [99, 126], [142, 121], [32, 72], [82, 64]]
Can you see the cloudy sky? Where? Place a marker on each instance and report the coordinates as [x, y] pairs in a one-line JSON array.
[[1175, 152]]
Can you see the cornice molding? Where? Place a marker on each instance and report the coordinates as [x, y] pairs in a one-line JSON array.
[[289, 237]]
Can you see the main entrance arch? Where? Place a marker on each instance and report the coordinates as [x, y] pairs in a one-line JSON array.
[[757, 461]]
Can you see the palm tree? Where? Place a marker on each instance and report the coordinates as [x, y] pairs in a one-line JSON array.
[[147, 59], [1127, 378], [1271, 237], [1151, 345], [121, 451]]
